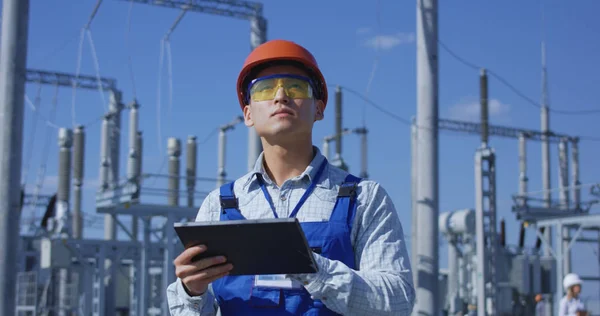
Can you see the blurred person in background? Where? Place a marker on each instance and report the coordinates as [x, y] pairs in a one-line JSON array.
[[571, 304]]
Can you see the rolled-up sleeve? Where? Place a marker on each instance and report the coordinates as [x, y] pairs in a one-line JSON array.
[[179, 301], [181, 304]]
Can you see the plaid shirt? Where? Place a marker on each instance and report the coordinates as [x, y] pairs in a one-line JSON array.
[[382, 283]]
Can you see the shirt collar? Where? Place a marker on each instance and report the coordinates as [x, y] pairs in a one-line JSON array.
[[309, 172]]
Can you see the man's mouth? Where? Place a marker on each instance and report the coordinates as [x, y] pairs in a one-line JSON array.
[[282, 112]]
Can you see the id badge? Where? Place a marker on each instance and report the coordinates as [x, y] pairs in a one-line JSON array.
[[276, 281]]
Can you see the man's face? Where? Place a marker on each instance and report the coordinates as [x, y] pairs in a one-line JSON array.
[[283, 117], [576, 289]]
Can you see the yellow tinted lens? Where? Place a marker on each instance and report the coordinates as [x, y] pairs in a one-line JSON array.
[[267, 89], [297, 88]]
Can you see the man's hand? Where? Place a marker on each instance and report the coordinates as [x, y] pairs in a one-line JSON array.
[[196, 275]]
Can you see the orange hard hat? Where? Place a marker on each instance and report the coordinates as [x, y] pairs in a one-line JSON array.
[[281, 51]]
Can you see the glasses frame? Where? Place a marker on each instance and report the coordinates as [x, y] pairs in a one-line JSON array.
[[254, 81]]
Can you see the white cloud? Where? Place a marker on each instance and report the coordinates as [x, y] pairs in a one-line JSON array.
[[469, 110], [387, 42]]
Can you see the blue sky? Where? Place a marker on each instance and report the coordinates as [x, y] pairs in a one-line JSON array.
[[208, 51]]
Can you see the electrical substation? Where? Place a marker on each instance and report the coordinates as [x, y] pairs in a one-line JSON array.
[[58, 272]]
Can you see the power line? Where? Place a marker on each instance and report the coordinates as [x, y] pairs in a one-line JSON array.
[[513, 88], [408, 122], [375, 60], [378, 107]]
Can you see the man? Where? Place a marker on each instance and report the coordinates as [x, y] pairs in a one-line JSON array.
[[571, 304], [363, 263], [540, 305]]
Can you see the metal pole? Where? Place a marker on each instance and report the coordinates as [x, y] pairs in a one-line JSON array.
[[134, 158], [110, 232], [78, 176], [133, 154], [563, 185], [560, 274], [65, 143], [363, 151], [462, 279], [563, 168], [221, 173], [174, 148], [258, 36], [168, 275], [190, 170], [168, 272], [453, 270], [104, 169], [115, 108], [480, 241], [485, 232], [144, 267], [338, 160], [427, 259], [415, 212], [104, 162], [523, 169], [575, 170], [107, 172], [139, 144], [326, 148], [545, 122], [62, 218], [338, 123], [109, 224], [484, 107], [13, 57]]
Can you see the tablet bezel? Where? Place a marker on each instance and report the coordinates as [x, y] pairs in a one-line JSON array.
[[188, 235]]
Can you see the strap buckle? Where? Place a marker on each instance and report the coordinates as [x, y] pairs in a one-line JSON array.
[[228, 202], [348, 189]]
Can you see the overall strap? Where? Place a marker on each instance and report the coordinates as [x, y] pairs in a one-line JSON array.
[[346, 199], [229, 202]]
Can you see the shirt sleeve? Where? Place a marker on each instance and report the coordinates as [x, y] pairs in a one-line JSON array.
[[581, 306], [179, 301], [382, 283], [563, 307], [182, 304]]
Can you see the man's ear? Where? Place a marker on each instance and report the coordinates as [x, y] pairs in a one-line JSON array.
[[320, 110], [248, 116]]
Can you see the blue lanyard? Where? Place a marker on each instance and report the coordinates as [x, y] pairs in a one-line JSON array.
[[308, 191]]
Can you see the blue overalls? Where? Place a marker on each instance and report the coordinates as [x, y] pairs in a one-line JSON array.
[[237, 295]]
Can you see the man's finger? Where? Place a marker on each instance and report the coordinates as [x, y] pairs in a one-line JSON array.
[[209, 262], [216, 277], [189, 253], [194, 267], [209, 274]]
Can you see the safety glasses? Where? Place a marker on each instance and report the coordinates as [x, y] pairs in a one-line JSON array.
[[294, 86]]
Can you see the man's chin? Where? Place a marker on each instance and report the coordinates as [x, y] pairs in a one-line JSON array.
[[279, 129], [280, 135]]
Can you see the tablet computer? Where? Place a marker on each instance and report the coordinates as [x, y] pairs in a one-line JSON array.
[[254, 247]]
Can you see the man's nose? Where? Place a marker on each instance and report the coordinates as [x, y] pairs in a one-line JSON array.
[[281, 96]]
